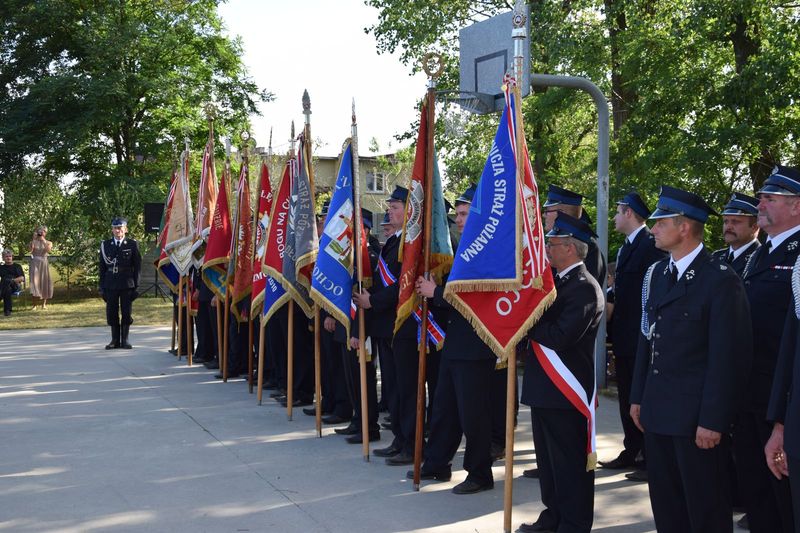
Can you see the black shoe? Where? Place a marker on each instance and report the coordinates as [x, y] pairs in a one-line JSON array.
[[743, 523], [231, 375], [637, 475], [389, 451], [533, 528], [352, 429], [427, 475], [310, 411], [622, 461], [212, 364], [297, 402], [356, 439], [470, 487], [278, 394], [111, 345], [533, 473], [400, 459], [334, 419]]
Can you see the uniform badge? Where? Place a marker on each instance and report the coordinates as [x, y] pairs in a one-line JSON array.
[[791, 246], [689, 275], [723, 267]]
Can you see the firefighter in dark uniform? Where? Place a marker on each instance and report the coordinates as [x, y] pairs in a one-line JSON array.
[[120, 265], [459, 406], [767, 282], [560, 200], [568, 329], [635, 256], [782, 452], [692, 360], [739, 231]]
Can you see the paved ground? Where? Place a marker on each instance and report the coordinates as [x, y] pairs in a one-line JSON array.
[[95, 440]]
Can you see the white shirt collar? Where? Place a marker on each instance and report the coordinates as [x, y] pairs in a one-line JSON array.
[[564, 272], [780, 237], [632, 235], [683, 263], [740, 251], [398, 233]]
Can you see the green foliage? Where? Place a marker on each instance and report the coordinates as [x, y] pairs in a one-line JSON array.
[[705, 94]]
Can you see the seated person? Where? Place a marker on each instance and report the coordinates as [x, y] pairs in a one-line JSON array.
[[11, 276]]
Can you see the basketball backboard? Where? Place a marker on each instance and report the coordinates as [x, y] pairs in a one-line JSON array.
[[486, 55]]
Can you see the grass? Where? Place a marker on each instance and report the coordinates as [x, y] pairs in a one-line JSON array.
[[82, 313]]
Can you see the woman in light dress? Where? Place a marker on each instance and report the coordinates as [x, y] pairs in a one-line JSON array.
[[41, 284]]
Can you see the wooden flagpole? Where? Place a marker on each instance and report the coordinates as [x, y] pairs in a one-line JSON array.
[[362, 351], [290, 334], [246, 161], [180, 317], [223, 362], [317, 325], [262, 323], [174, 327], [189, 330], [426, 251], [518, 34]]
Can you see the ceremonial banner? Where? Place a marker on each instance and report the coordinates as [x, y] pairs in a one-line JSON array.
[[218, 245], [272, 266], [501, 280], [180, 222], [206, 200], [262, 224], [243, 242], [166, 271], [412, 239], [301, 243], [332, 276]]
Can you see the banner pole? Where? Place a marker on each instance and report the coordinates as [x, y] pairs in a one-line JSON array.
[[260, 382], [519, 35], [290, 362], [189, 331], [426, 251], [180, 318], [249, 353], [226, 320], [362, 335]]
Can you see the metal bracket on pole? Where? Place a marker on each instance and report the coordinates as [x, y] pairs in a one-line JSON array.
[[601, 103]]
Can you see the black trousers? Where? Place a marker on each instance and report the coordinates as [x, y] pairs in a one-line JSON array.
[[389, 387], [205, 324], [303, 354], [276, 346], [560, 438], [237, 346], [462, 404], [116, 301], [7, 289], [794, 466], [688, 485], [633, 438], [352, 374], [497, 405], [406, 364], [767, 500]]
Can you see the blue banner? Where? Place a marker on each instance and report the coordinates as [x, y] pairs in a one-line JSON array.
[[332, 277], [488, 256], [274, 297]]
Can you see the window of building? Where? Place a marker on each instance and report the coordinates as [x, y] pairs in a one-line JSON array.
[[376, 182]]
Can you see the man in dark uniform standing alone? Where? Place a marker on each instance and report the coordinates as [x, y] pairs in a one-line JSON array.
[[739, 231], [120, 265], [692, 361], [635, 256], [767, 282]]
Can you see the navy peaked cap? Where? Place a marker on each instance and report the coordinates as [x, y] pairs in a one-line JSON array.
[[119, 221], [741, 204], [784, 181], [674, 202], [467, 196], [635, 202], [569, 226], [558, 195], [400, 194]]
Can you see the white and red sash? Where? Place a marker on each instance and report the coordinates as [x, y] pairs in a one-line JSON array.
[[385, 274], [566, 382]]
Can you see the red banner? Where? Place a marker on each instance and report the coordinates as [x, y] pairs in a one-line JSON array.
[[243, 269], [261, 227], [218, 245]]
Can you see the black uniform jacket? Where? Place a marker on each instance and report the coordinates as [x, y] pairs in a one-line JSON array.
[[784, 404], [384, 299], [767, 282], [128, 265], [632, 265], [740, 262], [596, 263], [692, 370], [461, 341], [569, 327]]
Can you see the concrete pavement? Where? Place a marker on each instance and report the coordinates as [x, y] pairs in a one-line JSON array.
[[133, 440]]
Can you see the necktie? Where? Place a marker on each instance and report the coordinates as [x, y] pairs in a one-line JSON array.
[[672, 276], [729, 258], [769, 246]]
